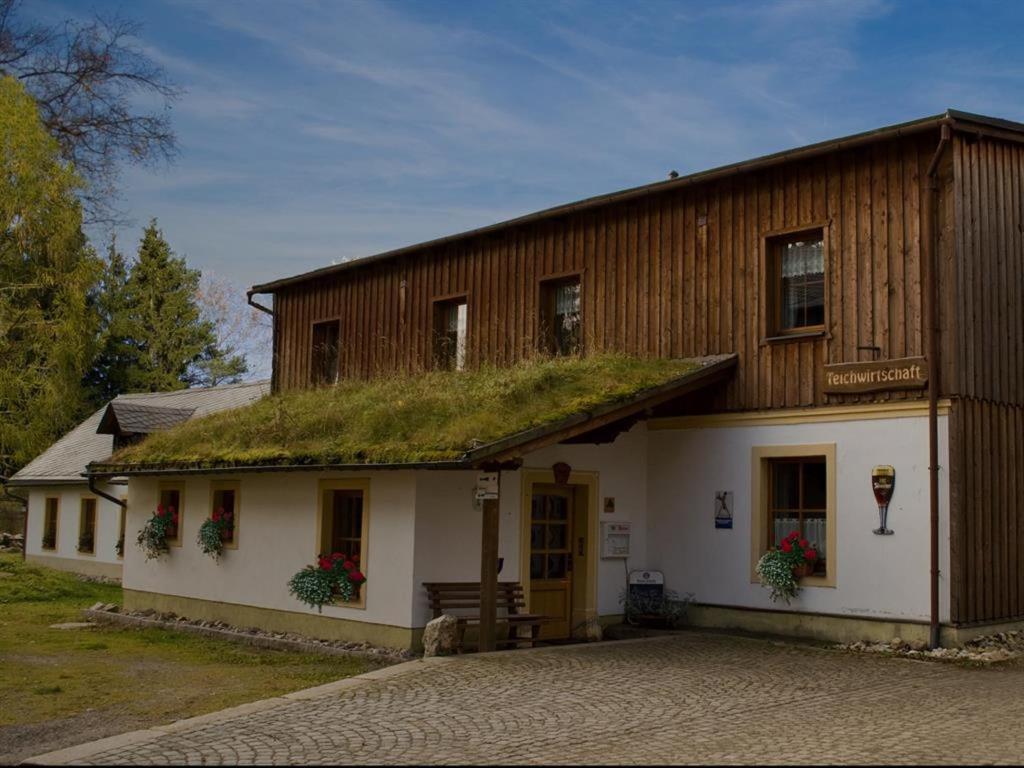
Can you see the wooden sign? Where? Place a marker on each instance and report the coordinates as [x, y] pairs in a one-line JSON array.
[[876, 376]]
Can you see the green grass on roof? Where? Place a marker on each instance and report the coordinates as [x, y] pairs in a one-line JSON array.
[[434, 416]]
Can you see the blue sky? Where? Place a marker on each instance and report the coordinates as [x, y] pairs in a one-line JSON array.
[[313, 132]]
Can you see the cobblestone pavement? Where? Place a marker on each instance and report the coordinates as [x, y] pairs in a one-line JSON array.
[[684, 698]]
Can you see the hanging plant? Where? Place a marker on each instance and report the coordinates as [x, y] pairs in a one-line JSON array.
[[780, 569], [334, 578], [154, 534], [214, 531], [119, 547], [85, 543]]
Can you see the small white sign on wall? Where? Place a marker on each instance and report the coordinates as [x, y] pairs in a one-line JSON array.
[[486, 486]]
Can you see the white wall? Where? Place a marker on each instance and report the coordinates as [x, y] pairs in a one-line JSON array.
[[277, 536], [108, 521], [877, 576]]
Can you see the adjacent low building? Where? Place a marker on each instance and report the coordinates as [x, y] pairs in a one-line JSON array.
[[79, 526]]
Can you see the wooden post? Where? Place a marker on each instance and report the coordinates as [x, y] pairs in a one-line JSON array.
[[489, 573]]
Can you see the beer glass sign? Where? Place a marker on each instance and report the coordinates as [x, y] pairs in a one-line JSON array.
[[883, 482]]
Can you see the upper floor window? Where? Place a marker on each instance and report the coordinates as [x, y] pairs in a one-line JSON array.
[[324, 365], [560, 315], [450, 334], [797, 281]]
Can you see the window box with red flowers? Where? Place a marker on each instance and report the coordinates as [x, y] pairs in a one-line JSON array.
[[155, 534], [217, 530], [335, 578], [780, 570]]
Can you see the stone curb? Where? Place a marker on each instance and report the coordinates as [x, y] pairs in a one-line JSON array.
[[81, 752], [258, 641]]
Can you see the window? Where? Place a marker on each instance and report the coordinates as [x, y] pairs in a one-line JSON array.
[[87, 527], [344, 523], [325, 353], [171, 499], [560, 315], [797, 283], [797, 501], [794, 490], [119, 547], [450, 334], [52, 512], [224, 505]]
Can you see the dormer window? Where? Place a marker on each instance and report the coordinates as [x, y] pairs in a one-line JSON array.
[[450, 318], [560, 322]]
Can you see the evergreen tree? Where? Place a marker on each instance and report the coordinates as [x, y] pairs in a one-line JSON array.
[[117, 355], [47, 273], [174, 346]]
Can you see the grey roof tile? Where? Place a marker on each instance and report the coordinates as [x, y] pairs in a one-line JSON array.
[[66, 459]]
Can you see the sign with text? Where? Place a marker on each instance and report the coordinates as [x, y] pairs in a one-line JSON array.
[[486, 486], [876, 376]]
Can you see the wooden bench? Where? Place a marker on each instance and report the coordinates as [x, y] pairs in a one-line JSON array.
[[461, 599]]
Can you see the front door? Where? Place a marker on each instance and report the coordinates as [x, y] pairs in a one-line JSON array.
[[551, 519]]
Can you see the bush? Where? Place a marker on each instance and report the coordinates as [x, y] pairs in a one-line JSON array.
[[668, 609]]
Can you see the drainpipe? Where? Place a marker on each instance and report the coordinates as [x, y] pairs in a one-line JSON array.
[[256, 304], [24, 501], [92, 487], [269, 311], [931, 260]]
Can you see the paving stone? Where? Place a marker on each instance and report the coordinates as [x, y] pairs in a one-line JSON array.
[[691, 698]]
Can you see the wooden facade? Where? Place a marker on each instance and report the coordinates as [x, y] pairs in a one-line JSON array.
[[680, 270]]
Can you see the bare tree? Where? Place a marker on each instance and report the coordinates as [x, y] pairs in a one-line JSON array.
[[87, 79], [240, 329]]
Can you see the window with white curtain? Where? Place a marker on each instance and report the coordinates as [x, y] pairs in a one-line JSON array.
[[799, 284]]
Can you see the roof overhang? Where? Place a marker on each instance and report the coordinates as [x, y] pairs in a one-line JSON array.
[[507, 452], [962, 121]]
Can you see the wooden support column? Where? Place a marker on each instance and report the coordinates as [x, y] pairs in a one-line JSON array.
[[489, 572]]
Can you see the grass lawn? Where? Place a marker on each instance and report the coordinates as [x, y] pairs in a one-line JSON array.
[[63, 687]]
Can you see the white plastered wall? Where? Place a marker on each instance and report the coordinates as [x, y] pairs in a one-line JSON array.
[[108, 522], [877, 576], [277, 536]]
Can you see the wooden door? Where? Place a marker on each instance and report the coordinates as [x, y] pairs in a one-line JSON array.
[[551, 513]]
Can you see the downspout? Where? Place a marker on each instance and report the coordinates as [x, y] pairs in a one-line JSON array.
[[932, 355], [24, 526], [269, 311], [92, 487]]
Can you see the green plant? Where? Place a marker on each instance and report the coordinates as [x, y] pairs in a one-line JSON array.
[[153, 537], [214, 531], [668, 608], [85, 542], [776, 568], [334, 577], [119, 546]]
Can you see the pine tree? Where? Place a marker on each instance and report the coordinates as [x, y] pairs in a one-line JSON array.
[[47, 273], [117, 355], [174, 346]]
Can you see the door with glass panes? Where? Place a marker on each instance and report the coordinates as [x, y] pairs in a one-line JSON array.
[[551, 520]]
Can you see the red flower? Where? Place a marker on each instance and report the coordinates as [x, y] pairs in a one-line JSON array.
[[217, 514], [810, 554], [326, 563], [348, 565], [804, 544], [159, 509], [357, 577], [787, 546], [337, 556], [355, 558], [793, 536], [174, 517]]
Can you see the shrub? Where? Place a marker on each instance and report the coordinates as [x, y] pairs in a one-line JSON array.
[[669, 608]]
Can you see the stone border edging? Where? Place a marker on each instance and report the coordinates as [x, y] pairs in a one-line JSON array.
[[257, 640], [80, 752]]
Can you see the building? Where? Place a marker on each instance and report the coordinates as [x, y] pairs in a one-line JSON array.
[[843, 306], [79, 527]]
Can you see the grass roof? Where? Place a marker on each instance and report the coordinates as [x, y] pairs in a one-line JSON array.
[[428, 417]]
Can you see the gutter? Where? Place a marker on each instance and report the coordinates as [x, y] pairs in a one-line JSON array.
[[92, 487], [932, 347], [24, 526], [255, 304]]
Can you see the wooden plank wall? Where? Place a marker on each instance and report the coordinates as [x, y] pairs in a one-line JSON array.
[[678, 273], [987, 424]]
